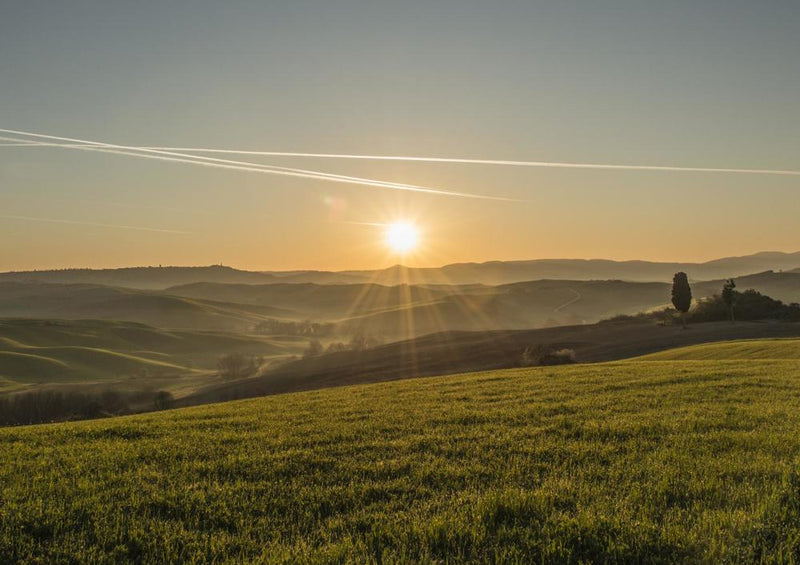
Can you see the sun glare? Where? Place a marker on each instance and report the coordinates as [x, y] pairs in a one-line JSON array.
[[402, 237]]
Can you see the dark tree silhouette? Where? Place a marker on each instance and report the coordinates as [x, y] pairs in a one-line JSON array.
[[681, 295], [163, 400], [727, 296], [234, 365]]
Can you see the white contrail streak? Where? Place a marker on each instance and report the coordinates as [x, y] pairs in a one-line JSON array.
[[165, 155], [553, 164], [500, 162], [77, 223]]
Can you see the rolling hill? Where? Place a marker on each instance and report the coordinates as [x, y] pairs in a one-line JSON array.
[[407, 310], [625, 462], [491, 272], [730, 350], [121, 354], [453, 352], [783, 286], [83, 301], [139, 277], [393, 312]]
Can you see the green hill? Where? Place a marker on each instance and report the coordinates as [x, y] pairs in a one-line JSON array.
[[744, 349], [90, 351], [625, 462], [83, 301], [74, 364], [455, 352]]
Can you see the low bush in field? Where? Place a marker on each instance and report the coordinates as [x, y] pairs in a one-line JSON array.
[[539, 355]]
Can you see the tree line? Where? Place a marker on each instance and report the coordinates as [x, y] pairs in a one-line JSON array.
[[44, 406], [729, 304]]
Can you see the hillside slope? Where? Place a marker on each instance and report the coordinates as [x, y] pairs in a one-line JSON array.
[[140, 277], [730, 350], [46, 352], [452, 352], [80, 301], [611, 463]]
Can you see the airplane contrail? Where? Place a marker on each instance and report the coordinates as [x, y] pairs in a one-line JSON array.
[[457, 160], [502, 162], [173, 156], [95, 224]]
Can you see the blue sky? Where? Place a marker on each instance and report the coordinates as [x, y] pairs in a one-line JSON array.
[[710, 84]]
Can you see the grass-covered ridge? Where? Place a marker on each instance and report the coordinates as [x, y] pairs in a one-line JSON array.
[[726, 350], [84, 351], [619, 462]]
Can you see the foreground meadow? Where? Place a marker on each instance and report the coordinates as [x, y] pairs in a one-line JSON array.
[[629, 462]]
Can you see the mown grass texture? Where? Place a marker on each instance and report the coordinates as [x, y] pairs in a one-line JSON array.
[[628, 462]]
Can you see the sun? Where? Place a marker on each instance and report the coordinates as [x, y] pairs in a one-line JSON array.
[[402, 237]]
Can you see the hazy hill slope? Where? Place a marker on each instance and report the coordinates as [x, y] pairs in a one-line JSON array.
[[140, 277], [61, 351], [610, 463], [399, 312], [783, 286], [491, 272], [394, 312], [320, 302], [523, 305], [504, 272], [75, 364], [453, 352], [404, 311], [80, 301]]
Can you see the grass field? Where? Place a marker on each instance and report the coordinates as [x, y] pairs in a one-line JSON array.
[[626, 462], [742, 349]]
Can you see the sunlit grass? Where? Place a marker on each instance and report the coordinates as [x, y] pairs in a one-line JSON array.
[[625, 462]]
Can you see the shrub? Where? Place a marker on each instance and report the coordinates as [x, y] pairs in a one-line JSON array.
[[541, 355], [750, 305], [234, 365]]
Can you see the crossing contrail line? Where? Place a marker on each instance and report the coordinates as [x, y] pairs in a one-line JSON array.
[[95, 224], [455, 160], [502, 162], [173, 156]]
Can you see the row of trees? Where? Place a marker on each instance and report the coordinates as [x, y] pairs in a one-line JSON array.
[[238, 365], [59, 406], [750, 304]]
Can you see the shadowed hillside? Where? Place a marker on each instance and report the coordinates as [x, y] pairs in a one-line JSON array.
[[120, 354], [392, 312], [82, 301], [455, 352], [783, 286]]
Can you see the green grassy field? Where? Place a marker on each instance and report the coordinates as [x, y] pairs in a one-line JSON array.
[[741, 349], [626, 462]]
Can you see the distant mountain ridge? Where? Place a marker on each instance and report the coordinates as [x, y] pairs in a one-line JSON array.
[[152, 278], [488, 273]]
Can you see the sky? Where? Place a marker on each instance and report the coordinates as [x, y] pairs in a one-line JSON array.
[[712, 84]]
